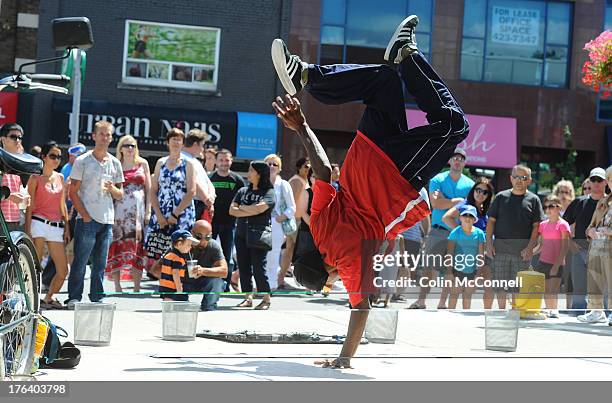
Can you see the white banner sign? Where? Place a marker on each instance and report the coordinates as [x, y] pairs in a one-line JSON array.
[[515, 26]]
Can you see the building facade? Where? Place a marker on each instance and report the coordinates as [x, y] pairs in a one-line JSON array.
[[18, 41], [157, 65], [513, 65]]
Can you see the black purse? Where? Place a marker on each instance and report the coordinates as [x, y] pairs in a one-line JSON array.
[[259, 236]]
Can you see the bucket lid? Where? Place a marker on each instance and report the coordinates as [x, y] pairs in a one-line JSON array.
[[95, 305]]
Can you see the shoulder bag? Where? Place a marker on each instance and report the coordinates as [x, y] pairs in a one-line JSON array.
[[290, 224], [259, 236]]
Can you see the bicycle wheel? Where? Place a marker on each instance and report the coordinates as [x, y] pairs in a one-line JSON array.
[[18, 342]]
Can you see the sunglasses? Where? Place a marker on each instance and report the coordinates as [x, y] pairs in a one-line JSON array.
[[481, 191], [596, 179], [549, 206], [201, 236], [15, 137], [458, 158], [129, 146], [306, 166], [55, 156], [586, 189], [272, 164], [520, 177]]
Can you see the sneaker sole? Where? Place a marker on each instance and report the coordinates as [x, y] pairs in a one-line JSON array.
[[280, 65], [396, 34], [592, 321]]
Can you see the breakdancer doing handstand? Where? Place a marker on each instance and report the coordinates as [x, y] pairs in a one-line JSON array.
[[381, 183]]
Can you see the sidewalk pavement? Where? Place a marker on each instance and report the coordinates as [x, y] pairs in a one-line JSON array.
[[430, 345]]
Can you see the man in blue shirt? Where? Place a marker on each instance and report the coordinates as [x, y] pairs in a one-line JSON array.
[[445, 190]]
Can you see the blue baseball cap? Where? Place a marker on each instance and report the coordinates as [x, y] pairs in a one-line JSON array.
[[183, 234], [468, 209], [77, 149]]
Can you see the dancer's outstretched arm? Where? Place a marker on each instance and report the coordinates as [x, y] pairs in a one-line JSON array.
[[290, 113]]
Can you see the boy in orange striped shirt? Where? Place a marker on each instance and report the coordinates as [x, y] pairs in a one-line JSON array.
[[174, 265]]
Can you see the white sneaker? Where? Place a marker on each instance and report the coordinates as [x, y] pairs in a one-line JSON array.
[[553, 314], [403, 37], [288, 67], [70, 304], [595, 316]]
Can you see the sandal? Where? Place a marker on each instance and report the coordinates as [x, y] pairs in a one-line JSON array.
[[245, 304], [54, 304], [416, 305], [263, 306]]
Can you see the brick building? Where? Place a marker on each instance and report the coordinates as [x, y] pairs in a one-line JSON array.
[[159, 64], [514, 66], [18, 41], [520, 95]]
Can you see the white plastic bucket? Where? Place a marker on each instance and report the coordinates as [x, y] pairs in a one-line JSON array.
[[501, 330], [381, 326], [179, 320], [93, 323]]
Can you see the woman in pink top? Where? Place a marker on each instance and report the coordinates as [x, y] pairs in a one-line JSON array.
[[554, 242], [47, 219]]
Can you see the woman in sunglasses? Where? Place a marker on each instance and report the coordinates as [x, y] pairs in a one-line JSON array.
[[564, 190], [480, 196], [11, 137], [47, 220], [283, 220], [126, 256]]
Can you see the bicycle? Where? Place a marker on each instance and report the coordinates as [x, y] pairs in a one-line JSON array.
[[19, 266]]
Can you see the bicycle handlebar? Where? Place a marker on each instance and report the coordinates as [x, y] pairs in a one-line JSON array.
[[24, 81], [61, 78]]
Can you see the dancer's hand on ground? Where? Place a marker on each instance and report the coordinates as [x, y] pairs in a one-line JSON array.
[[340, 362], [289, 111]]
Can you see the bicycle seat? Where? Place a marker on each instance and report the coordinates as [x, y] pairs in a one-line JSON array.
[[19, 164]]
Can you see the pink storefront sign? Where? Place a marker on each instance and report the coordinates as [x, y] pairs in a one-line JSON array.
[[490, 144]]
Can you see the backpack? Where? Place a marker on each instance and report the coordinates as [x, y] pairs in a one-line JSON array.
[[56, 354]]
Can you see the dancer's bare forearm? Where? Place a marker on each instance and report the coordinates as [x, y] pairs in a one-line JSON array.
[[289, 111], [318, 158]]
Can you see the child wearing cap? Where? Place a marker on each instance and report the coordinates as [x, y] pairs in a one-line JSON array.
[[174, 265], [554, 243], [466, 246]]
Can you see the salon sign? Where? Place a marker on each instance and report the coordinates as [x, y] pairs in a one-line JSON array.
[[491, 142]]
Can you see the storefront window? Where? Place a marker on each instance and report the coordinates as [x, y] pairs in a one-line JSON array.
[[357, 31], [170, 55], [516, 41]]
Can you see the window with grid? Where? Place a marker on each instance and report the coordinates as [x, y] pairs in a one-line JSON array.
[[516, 41], [357, 31]]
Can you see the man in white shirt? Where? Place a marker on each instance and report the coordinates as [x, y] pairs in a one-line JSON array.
[[205, 191], [96, 181]]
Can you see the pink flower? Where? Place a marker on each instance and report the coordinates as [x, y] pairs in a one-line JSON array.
[[597, 71]]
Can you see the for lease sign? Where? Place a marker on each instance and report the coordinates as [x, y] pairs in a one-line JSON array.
[[515, 26]]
